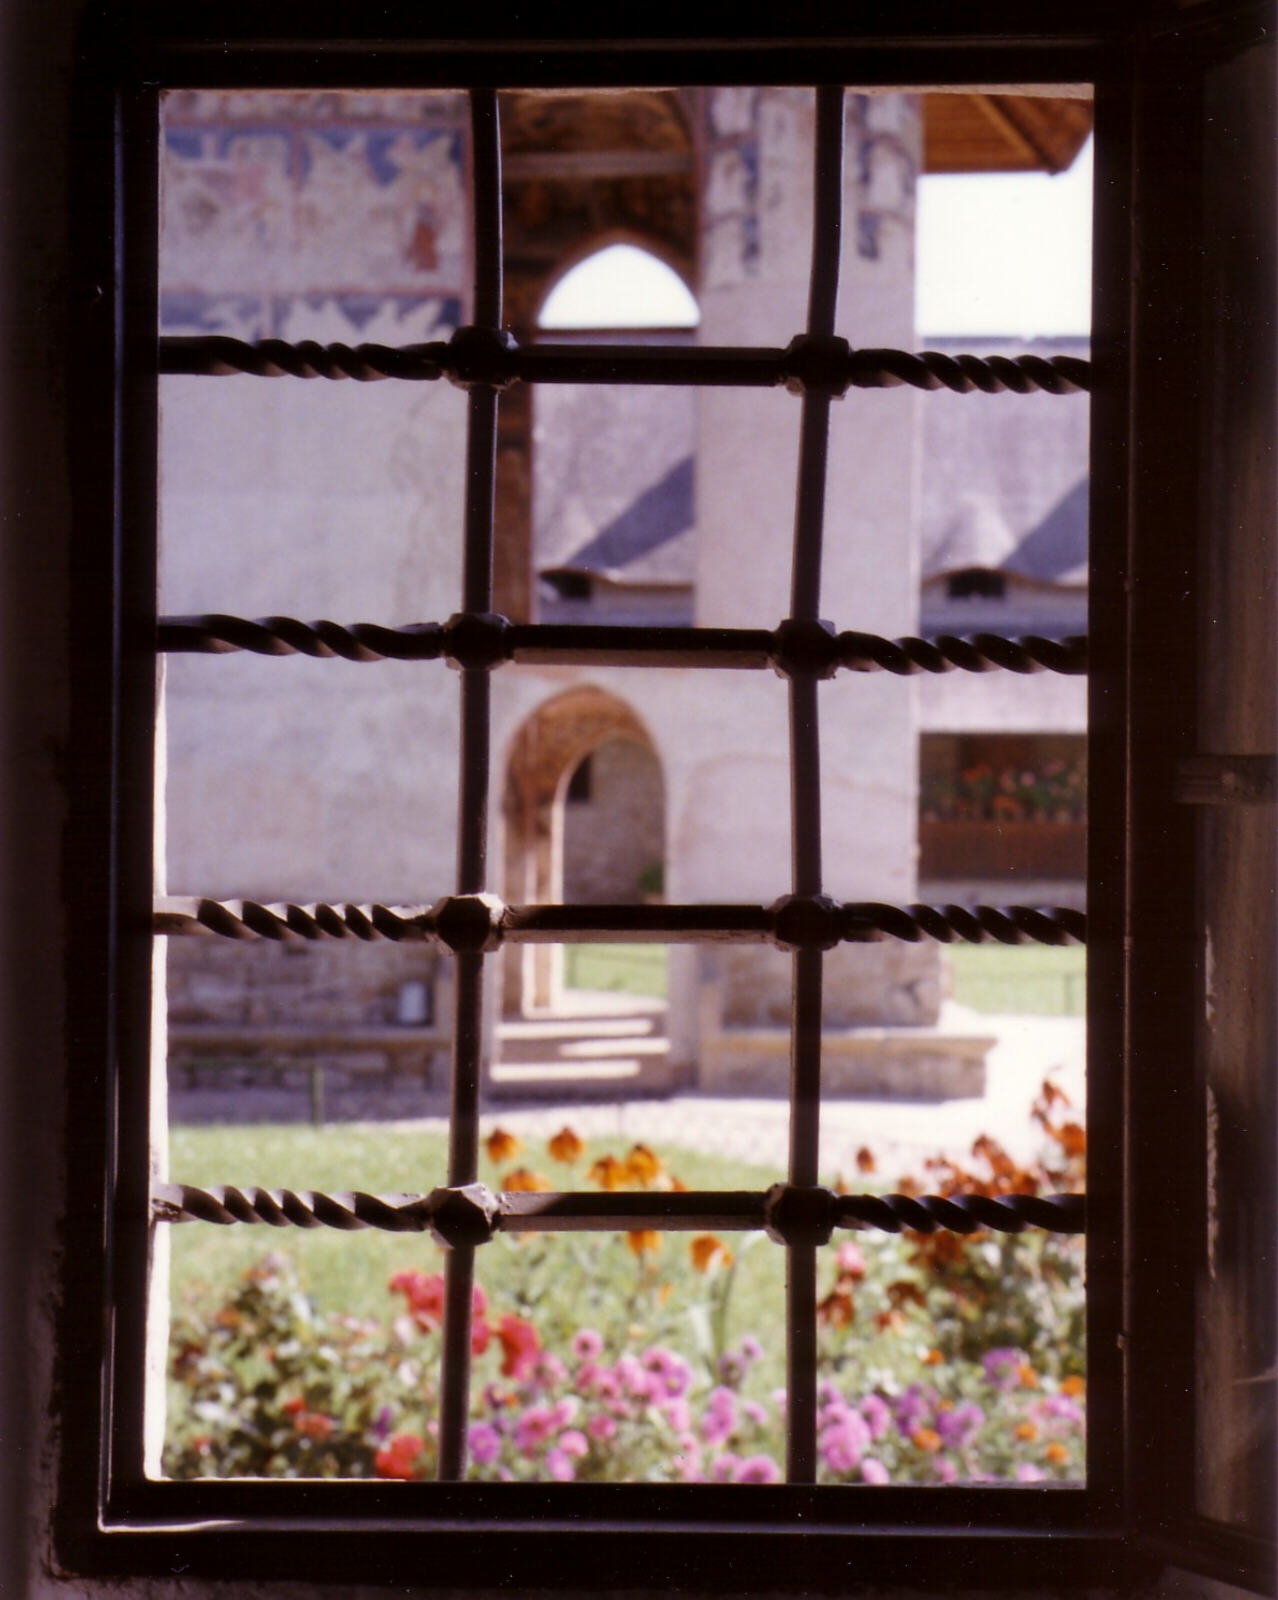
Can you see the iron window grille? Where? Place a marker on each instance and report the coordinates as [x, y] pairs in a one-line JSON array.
[[114, 1516]]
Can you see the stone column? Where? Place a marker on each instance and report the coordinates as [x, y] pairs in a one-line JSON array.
[[757, 211]]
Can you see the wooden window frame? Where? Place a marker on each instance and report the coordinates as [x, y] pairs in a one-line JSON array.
[[1138, 1509]]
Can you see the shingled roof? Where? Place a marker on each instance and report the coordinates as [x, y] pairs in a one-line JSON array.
[[1005, 485]]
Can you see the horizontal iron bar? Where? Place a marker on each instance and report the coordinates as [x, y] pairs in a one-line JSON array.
[[466, 360], [494, 640], [829, 923], [584, 1211]]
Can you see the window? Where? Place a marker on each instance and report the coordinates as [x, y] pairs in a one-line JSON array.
[[1149, 771]]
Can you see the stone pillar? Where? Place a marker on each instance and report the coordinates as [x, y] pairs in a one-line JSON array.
[[757, 218]]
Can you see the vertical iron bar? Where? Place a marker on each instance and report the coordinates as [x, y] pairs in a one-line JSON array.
[[454, 1397], [485, 149], [827, 211], [800, 1362], [463, 1122], [472, 799], [805, 791]]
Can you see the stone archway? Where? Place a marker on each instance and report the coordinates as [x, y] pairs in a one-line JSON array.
[[548, 748]]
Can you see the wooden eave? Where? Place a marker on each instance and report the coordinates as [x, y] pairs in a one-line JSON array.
[[1002, 132]]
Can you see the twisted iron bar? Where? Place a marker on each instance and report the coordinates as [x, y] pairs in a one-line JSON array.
[[352, 1210], [476, 923], [219, 634], [475, 356]]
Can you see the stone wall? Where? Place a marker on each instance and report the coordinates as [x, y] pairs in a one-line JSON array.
[[612, 837]]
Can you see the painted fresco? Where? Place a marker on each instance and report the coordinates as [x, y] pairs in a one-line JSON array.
[[314, 216]]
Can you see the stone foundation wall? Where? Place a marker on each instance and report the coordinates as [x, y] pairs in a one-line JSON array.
[[892, 983], [324, 987]]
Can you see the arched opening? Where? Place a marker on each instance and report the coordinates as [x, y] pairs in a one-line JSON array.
[[614, 467], [620, 286], [595, 835]]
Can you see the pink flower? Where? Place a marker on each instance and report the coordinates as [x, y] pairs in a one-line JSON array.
[[549, 1370], [1027, 1472], [601, 1427], [843, 1444], [757, 1469], [873, 1470], [559, 1466], [946, 1470], [677, 1415], [586, 1344], [687, 1458], [534, 1428], [485, 1443], [750, 1349], [723, 1467], [877, 1414], [565, 1410], [851, 1260], [573, 1442]]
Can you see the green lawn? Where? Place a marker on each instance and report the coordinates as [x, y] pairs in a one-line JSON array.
[[628, 968], [1036, 980]]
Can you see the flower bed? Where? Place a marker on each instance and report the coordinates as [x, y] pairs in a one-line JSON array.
[[942, 1358]]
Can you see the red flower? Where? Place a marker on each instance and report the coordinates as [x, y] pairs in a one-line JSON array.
[[520, 1346], [315, 1425], [424, 1292], [398, 1456]]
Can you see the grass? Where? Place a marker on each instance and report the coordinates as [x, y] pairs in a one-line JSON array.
[[638, 969], [1029, 980], [1033, 980]]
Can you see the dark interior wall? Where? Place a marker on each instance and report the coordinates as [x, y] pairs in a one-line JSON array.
[[36, 62]]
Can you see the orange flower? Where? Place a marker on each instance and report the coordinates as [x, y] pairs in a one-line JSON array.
[[926, 1439], [677, 1185], [502, 1146], [567, 1146], [1072, 1139], [933, 1358], [643, 1165], [708, 1251], [1057, 1452], [1027, 1375], [608, 1173], [865, 1161], [644, 1241], [522, 1181], [1073, 1385], [1027, 1430]]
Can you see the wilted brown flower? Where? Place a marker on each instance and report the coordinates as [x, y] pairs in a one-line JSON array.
[[865, 1161]]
